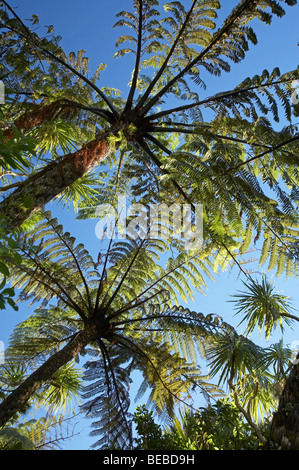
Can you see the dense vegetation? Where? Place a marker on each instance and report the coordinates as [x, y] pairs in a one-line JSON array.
[[66, 138]]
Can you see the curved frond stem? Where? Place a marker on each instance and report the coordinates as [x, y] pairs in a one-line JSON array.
[[178, 130], [182, 192], [105, 356], [213, 98], [164, 65], [238, 141], [25, 93], [203, 389], [276, 235], [71, 303], [110, 287], [98, 111], [26, 29], [137, 304], [170, 129], [59, 296], [207, 126], [78, 267], [216, 136], [161, 315], [55, 441], [11, 186], [102, 277], [123, 277], [168, 273], [141, 329], [153, 157], [57, 342], [158, 144], [123, 340], [138, 56], [121, 158], [287, 249], [236, 13], [85, 79], [62, 62], [270, 150], [235, 260], [103, 113], [185, 124]]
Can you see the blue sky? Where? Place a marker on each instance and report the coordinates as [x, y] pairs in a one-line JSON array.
[[88, 25]]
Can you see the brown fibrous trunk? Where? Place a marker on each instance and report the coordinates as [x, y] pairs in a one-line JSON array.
[[284, 432], [48, 183], [37, 116], [43, 186]]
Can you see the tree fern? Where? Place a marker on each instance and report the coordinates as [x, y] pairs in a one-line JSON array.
[[232, 151], [228, 163], [130, 299]]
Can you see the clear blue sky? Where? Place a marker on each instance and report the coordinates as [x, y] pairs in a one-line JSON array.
[[88, 25]]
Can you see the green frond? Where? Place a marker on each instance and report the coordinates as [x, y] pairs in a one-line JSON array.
[[65, 386], [17, 153], [236, 165], [57, 136], [12, 439], [255, 393], [50, 266], [232, 356], [47, 330], [260, 305], [82, 192], [107, 402], [46, 432]]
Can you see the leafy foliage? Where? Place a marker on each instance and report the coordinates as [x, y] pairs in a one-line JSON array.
[[144, 330], [220, 151], [107, 401], [215, 427], [134, 298], [233, 155], [261, 306], [16, 153], [47, 433], [11, 439], [37, 434]]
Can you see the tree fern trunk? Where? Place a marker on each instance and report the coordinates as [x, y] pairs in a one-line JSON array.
[[284, 434], [37, 116], [19, 397], [52, 180]]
